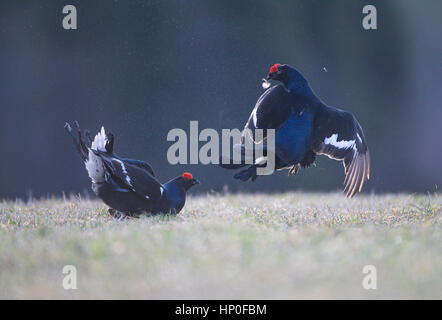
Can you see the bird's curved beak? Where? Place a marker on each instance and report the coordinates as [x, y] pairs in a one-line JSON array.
[[274, 75], [195, 181]]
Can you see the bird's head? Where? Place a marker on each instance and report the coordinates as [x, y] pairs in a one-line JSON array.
[[187, 181], [288, 75], [278, 72]]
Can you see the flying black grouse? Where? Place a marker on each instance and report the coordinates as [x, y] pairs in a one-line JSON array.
[[305, 127], [128, 186]]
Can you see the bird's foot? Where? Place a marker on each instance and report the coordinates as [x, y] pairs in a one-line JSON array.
[[249, 173], [294, 169], [118, 214], [122, 216]]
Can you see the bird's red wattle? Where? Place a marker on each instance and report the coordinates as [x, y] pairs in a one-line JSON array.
[[274, 68], [187, 175]]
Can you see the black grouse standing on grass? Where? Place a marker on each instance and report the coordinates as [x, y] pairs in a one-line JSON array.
[[305, 127], [128, 186]]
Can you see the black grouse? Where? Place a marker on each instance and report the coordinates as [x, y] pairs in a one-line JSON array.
[[127, 186], [305, 127]]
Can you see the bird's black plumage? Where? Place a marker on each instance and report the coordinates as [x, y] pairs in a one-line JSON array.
[[306, 127], [127, 186]]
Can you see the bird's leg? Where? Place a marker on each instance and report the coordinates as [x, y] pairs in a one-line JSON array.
[[249, 173], [117, 214], [294, 169], [246, 174], [122, 216], [112, 212]]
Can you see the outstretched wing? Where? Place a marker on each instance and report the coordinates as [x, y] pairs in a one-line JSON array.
[[272, 110], [132, 177], [338, 135]]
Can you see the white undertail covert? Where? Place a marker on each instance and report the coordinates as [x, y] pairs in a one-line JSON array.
[[94, 164]]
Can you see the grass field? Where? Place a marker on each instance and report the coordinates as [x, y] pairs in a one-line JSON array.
[[282, 246]]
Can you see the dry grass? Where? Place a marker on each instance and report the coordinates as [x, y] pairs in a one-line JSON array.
[[291, 245]]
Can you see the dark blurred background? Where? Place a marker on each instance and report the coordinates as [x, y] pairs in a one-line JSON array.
[[141, 68]]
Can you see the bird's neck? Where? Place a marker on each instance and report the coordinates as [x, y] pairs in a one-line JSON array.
[[174, 193], [300, 87], [296, 83]]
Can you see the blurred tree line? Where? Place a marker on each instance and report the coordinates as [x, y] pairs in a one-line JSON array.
[[141, 68]]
